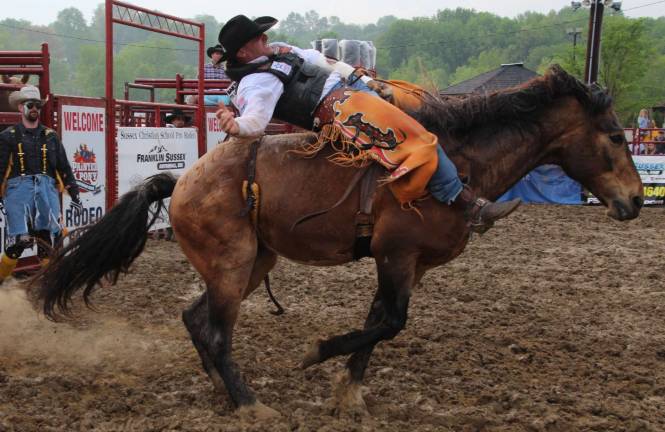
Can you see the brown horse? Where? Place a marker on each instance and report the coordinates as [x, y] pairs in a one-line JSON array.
[[4, 93], [497, 139]]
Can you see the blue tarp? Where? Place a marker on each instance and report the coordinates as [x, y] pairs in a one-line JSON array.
[[547, 184]]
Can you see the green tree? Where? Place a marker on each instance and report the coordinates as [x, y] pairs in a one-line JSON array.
[[625, 56]]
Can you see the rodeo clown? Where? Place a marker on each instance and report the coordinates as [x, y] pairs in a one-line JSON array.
[[300, 87], [34, 167]]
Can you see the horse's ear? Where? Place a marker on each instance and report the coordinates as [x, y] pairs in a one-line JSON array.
[[555, 69], [25, 78], [5, 79]]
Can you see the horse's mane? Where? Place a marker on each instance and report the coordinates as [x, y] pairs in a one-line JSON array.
[[518, 107]]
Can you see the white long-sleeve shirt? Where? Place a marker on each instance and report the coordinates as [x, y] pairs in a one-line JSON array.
[[258, 93]]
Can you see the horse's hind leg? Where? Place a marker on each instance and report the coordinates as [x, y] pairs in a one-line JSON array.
[[196, 321], [210, 322]]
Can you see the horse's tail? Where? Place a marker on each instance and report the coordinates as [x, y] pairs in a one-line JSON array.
[[105, 249]]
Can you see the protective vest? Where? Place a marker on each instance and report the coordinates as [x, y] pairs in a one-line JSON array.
[[303, 85]]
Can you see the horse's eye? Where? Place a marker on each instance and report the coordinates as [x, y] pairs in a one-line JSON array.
[[618, 138]]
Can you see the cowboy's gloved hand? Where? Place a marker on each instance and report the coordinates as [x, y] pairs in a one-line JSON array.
[[227, 120], [383, 89]]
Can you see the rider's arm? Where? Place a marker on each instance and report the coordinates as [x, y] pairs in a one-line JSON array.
[[256, 100]]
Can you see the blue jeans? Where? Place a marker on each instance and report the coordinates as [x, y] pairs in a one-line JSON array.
[[32, 199], [445, 184], [357, 85]]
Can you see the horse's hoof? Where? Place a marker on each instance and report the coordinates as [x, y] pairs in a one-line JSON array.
[[313, 355], [347, 397], [258, 411]]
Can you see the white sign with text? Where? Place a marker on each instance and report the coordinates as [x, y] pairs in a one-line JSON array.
[[83, 131], [143, 152], [214, 133]]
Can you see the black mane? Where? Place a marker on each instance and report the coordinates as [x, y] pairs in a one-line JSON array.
[[518, 107]]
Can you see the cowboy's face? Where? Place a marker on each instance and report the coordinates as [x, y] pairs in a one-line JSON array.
[[254, 48], [30, 109], [216, 56]]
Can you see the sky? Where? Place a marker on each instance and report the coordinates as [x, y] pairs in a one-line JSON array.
[[43, 12]]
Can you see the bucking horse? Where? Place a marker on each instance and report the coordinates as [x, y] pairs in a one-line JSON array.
[[495, 139]]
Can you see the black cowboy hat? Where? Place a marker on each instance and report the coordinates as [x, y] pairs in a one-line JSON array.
[[239, 30], [177, 113], [216, 48]]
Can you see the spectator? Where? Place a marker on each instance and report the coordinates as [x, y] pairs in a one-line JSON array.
[[650, 149], [177, 119], [36, 166], [215, 71], [660, 142], [644, 122]]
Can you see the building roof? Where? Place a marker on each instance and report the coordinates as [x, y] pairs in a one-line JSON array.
[[507, 75]]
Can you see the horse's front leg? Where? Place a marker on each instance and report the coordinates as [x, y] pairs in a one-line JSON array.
[[357, 363], [386, 318]]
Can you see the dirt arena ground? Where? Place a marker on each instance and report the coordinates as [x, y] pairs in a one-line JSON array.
[[553, 321]]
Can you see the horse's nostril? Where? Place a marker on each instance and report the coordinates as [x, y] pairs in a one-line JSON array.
[[638, 201]]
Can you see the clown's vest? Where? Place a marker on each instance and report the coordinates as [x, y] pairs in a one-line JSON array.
[[303, 85]]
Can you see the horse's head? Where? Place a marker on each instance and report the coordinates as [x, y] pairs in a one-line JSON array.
[[593, 149]]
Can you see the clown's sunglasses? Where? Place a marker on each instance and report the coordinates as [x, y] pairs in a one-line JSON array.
[[31, 105]]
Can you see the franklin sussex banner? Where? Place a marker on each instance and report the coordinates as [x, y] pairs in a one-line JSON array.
[[143, 152]]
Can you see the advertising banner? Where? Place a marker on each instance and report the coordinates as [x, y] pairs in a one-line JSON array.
[[652, 172], [214, 133], [82, 133], [143, 152]]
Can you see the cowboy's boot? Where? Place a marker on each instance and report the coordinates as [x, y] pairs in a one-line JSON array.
[[7, 266], [481, 213]]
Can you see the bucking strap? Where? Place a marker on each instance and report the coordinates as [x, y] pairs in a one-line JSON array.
[[250, 188]]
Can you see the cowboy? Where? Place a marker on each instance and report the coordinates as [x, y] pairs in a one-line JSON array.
[[213, 71], [34, 166], [300, 87], [177, 119]]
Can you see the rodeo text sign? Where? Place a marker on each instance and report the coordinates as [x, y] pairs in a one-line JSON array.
[[82, 131], [143, 152]]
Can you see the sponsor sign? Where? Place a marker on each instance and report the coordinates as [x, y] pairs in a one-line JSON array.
[[214, 133], [652, 172], [143, 152], [82, 130]]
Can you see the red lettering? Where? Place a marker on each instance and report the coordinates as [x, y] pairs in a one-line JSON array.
[[83, 121], [68, 121], [213, 125]]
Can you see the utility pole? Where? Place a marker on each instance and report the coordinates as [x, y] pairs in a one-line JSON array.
[[593, 41], [575, 33]]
